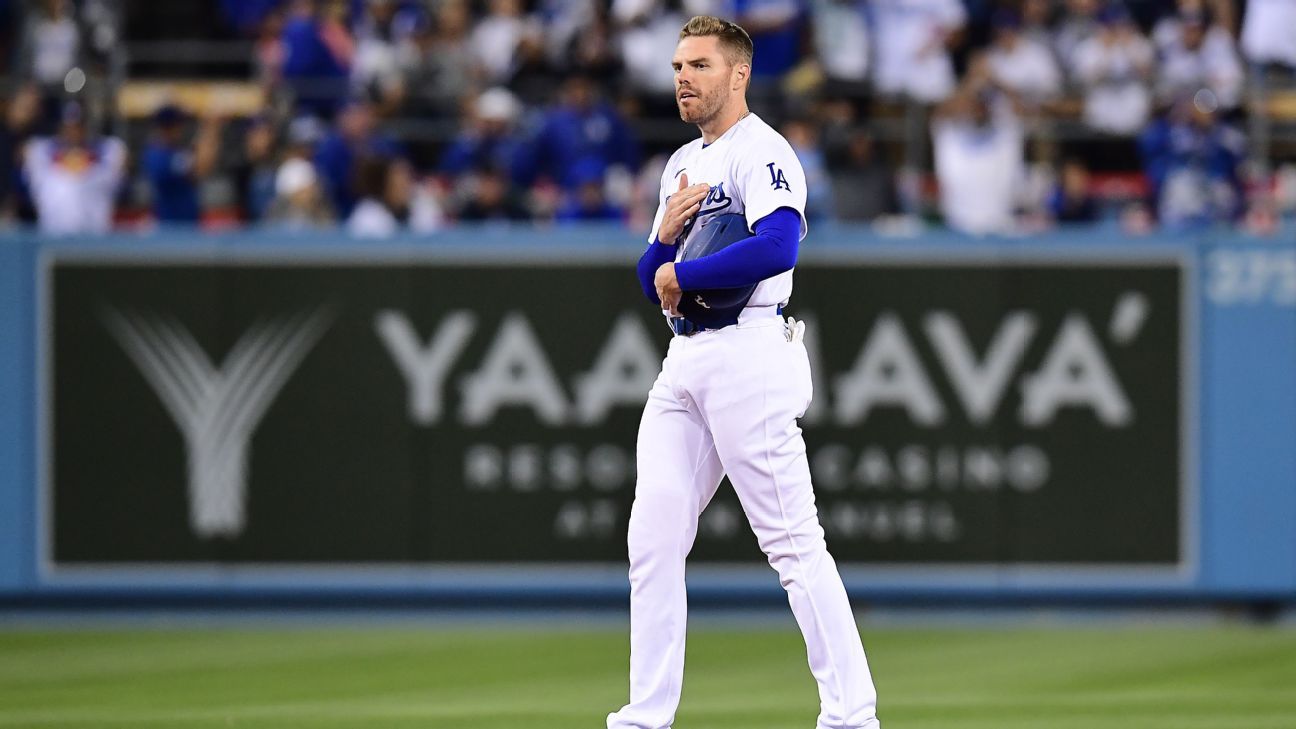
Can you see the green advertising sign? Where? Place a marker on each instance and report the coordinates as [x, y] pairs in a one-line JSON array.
[[339, 412]]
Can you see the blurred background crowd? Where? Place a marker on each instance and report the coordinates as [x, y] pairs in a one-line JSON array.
[[377, 116]]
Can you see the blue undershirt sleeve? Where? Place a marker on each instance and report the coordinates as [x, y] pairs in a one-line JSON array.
[[771, 251], [651, 260]]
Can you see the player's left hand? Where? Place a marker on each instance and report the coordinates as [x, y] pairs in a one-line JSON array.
[[668, 289]]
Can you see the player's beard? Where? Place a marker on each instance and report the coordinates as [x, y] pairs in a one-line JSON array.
[[705, 109]]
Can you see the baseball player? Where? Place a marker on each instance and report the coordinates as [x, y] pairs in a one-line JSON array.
[[729, 394]]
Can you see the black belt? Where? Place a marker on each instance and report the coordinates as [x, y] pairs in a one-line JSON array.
[[686, 328]]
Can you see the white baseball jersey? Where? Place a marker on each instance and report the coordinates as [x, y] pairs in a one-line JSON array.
[[751, 170]]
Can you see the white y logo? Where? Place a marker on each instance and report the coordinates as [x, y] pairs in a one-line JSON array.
[[216, 409]]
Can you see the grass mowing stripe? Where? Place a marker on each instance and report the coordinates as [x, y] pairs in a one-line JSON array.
[[1146, 678]]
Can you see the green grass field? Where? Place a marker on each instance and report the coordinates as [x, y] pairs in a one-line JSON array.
[[567, 678]]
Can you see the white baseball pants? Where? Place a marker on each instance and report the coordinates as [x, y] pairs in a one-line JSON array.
[[726, 402]]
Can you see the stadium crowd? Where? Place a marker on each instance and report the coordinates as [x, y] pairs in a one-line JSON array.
[[563, 110]]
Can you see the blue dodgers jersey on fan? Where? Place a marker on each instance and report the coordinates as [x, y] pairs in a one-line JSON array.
[[751, 170], [175, 194]]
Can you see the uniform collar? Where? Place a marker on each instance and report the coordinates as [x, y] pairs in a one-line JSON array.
[[730, 130]]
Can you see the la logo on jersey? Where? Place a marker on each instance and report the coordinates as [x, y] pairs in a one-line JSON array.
[[777, 180]]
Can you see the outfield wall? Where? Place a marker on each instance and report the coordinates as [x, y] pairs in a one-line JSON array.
[[1073, 416]]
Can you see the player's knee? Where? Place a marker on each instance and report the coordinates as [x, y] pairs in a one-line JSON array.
[[791, 567], [658, 524], [641, 541], [785, 546]]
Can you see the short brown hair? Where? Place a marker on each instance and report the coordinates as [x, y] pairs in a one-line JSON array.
[[735, 42]]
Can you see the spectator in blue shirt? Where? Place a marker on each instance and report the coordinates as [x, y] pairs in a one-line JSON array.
[[488, 138], [775, 28], [317, 58], [174, 168], [356, 135], [580, 130], [1192, 161], [589, 202], [1072, 201]]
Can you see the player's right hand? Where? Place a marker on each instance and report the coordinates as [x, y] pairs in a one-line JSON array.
[[680, 207]]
